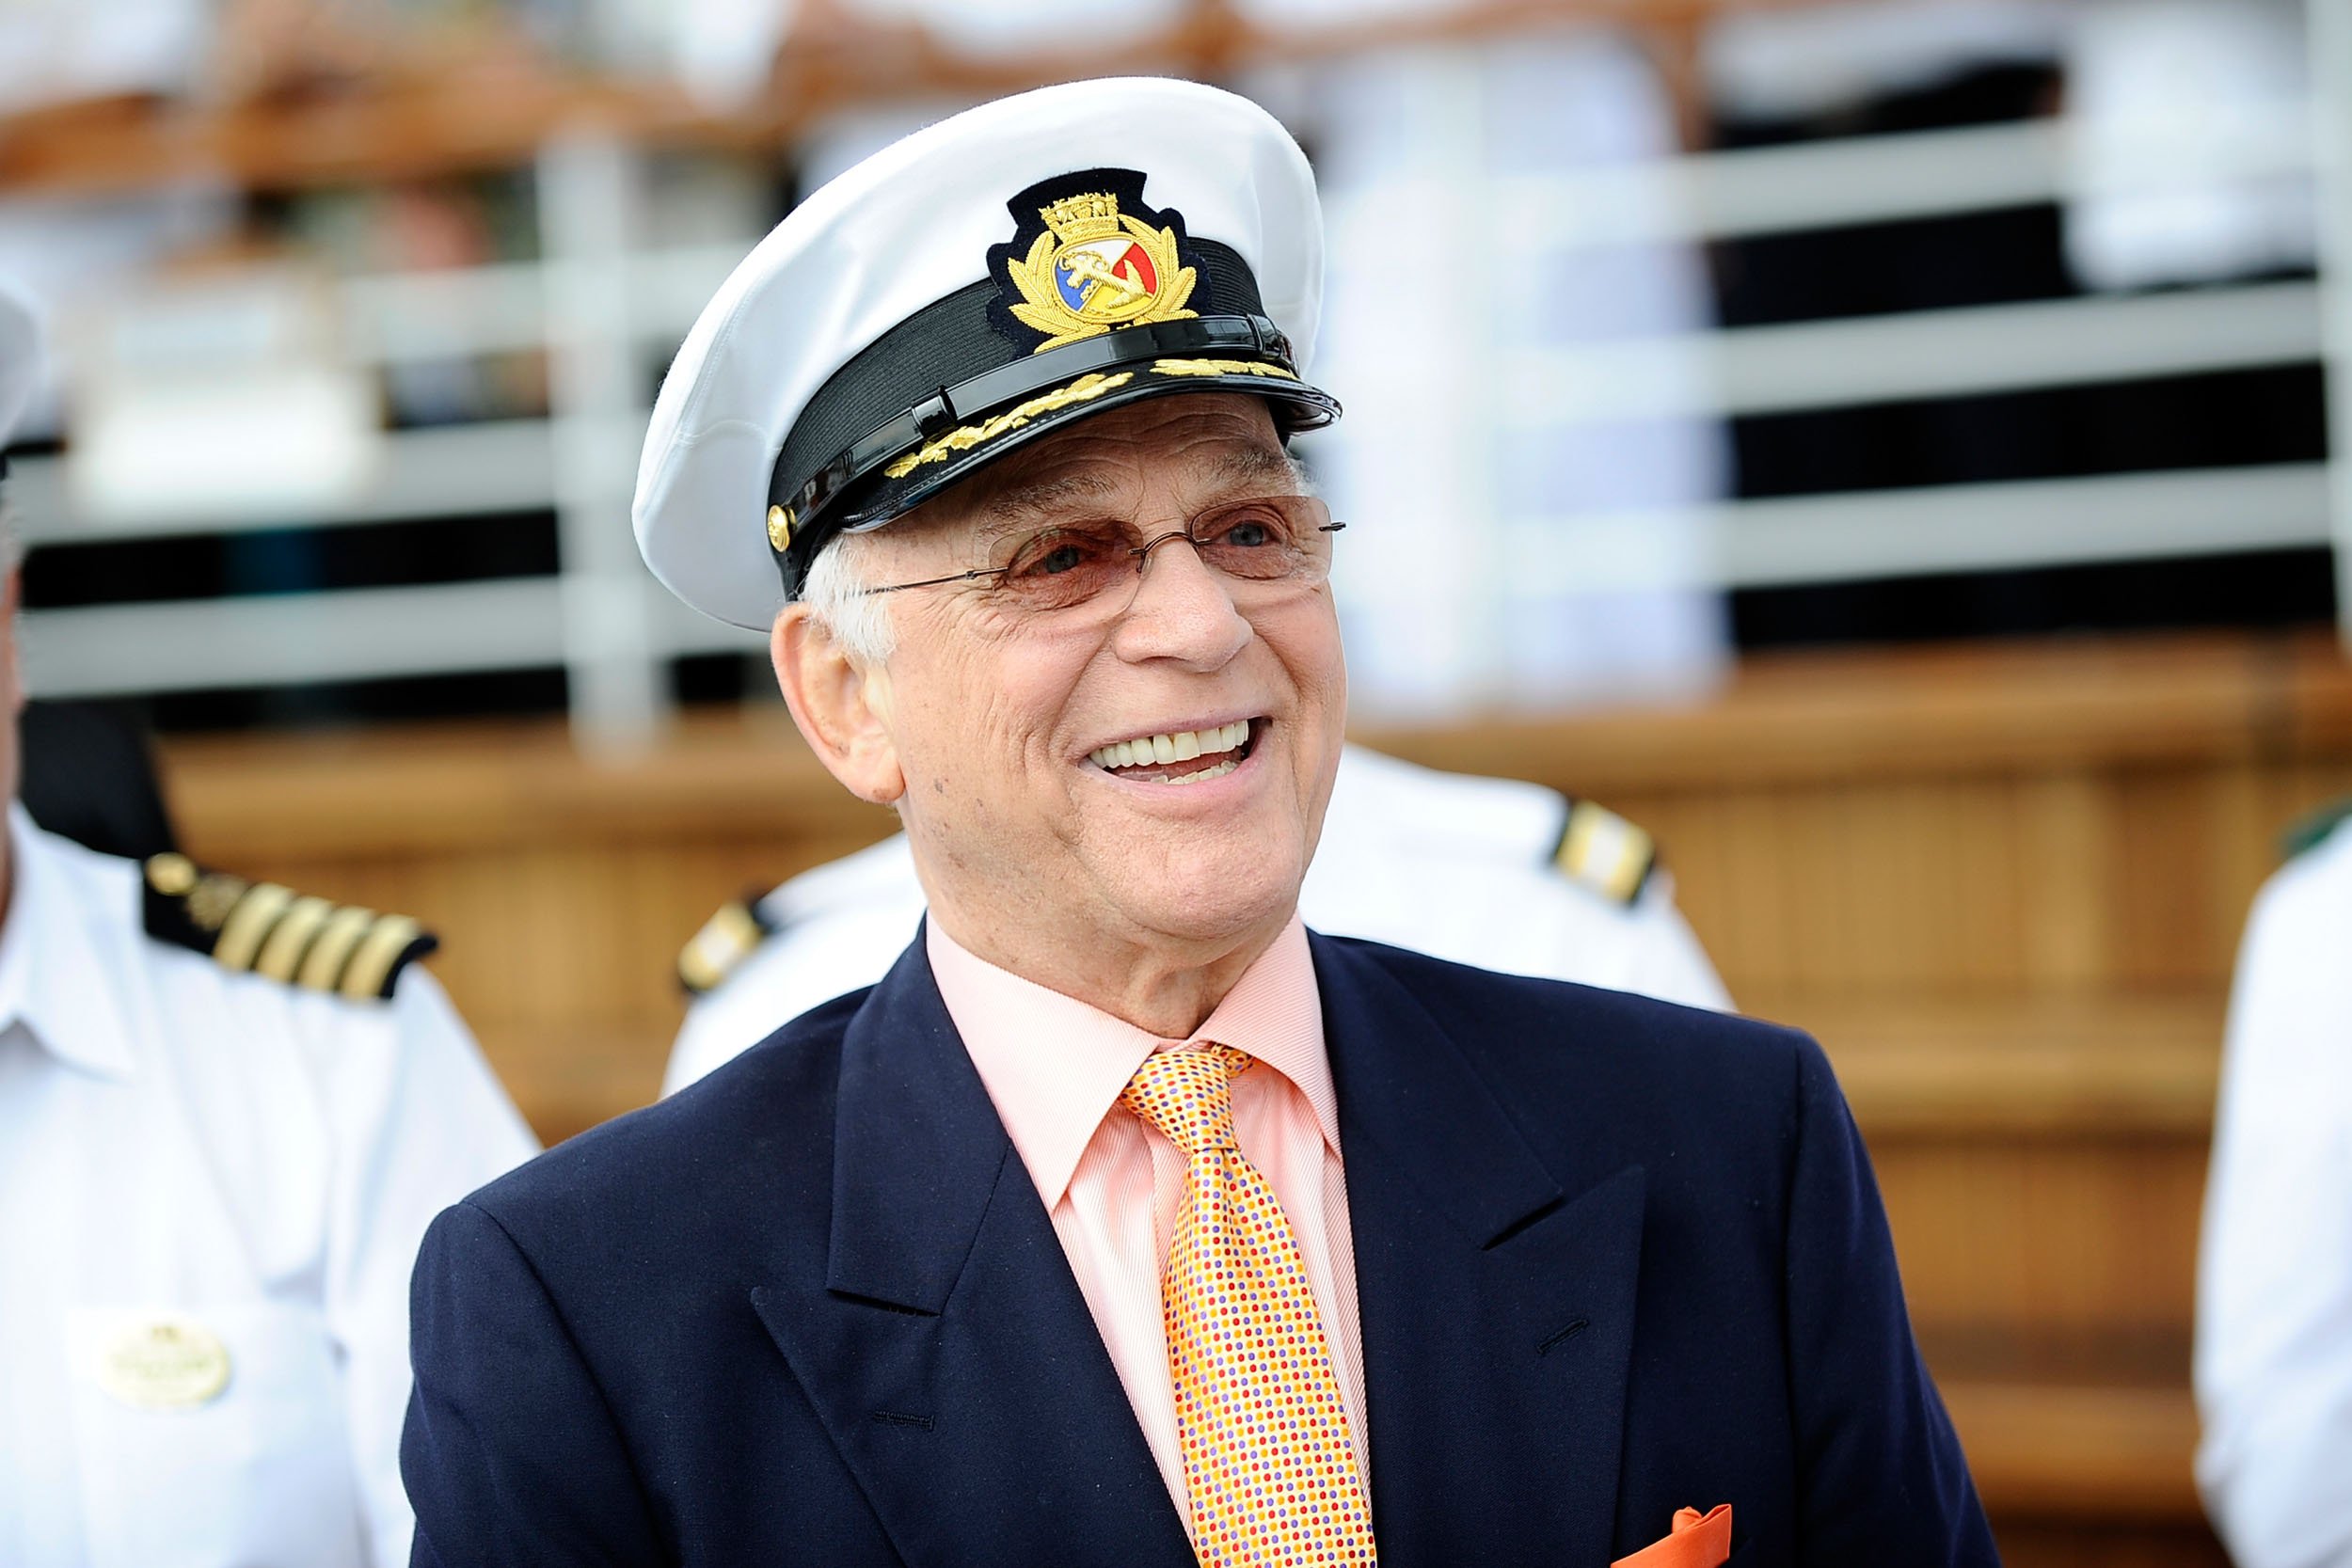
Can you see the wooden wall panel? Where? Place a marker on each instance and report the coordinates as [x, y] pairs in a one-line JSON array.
[[2061, 853], [2018, 1245]]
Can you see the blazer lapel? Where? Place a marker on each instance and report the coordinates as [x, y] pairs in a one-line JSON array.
[[947, 1349], [1496, 1301]]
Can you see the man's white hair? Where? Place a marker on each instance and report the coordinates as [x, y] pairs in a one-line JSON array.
[[837, 594]]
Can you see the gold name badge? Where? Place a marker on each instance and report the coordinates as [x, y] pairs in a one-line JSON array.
[[162, 1361]]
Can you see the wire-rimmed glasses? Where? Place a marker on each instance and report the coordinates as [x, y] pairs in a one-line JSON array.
[[1278, 544]]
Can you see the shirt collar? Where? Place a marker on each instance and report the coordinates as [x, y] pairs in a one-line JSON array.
[[1054, 1067], [54, 978]]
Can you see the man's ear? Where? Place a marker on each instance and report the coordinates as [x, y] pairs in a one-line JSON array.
[[842, 707]]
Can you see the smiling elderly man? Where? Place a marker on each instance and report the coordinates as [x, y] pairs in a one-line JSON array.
[[1125, 1221]]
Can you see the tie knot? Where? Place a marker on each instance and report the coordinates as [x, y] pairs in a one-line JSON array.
[[1188, 1096]]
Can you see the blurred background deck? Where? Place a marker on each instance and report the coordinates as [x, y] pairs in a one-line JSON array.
[[1881, 447]]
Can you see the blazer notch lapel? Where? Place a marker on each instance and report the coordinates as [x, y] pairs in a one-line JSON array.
[[1574, 1275], [994, 1431], [918, 1146], [1407, 1091], [1569, 1282], [1497, 1385], [1498, 1311], [947, 1351]]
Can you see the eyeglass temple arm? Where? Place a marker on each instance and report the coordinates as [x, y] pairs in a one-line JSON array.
[[1143, 549], [934, 582]]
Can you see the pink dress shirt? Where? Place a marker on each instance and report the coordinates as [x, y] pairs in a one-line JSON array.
[[1054, 1069]]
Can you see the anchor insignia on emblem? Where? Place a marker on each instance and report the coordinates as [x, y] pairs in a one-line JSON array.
[[1095, 268]]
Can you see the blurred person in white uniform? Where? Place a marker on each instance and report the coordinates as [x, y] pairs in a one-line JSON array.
[[1493, 872], [2274, 1286], [227, 1114]]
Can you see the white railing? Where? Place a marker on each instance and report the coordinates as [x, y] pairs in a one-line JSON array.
[[1924, 353], [1921, 174], [598, 300], [351, 634], [2332, 73], [1857, 535]]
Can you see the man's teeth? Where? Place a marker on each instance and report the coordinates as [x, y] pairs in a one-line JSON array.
[[1203, 776], [1184, 745]]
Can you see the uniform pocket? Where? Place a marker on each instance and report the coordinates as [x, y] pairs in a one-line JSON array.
[[256, 1476]]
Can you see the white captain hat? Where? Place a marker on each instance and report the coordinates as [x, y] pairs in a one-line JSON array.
[[20, 364], [963, 291]]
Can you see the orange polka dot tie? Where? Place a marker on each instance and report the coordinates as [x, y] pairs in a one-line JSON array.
[[1267, 1458]]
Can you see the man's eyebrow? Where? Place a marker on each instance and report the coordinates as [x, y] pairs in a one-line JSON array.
[[1255, 466], [1020, 505], [1023, 505]]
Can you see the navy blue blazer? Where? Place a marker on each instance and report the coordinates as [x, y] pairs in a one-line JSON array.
[[1614, 1258]]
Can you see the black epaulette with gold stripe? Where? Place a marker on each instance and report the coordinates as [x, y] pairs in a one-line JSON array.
[[1605, 852], [726, 938], [2310, 832], [272, 931]]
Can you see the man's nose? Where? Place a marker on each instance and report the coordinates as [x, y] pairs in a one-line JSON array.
[[1183, 608]]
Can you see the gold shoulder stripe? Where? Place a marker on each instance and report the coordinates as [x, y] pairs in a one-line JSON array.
[[726, 938], [323, 965], [271, 932], [248, 925], [1605, 852], [365, 978], [290, 937]]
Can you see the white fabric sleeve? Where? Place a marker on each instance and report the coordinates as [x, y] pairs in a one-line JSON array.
[[806, 964], [2274, 1290], [418, 1121], [1668, 961]]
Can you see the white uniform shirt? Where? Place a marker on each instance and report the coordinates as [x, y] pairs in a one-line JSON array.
[[2274, 1289], [1445, 863], [261, 1159]]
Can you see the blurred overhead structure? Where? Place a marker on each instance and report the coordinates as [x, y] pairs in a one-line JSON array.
[[483, 100], [605, 295]]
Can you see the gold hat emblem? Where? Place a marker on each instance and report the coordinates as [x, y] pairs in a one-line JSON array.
[[1095, 268]]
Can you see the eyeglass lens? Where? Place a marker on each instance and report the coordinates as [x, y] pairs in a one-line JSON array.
[[1281, 540]]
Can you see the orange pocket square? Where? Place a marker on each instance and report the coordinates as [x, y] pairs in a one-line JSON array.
[[1698, 1540]]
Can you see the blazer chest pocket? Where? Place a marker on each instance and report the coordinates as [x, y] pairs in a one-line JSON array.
[[211, 1435]]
